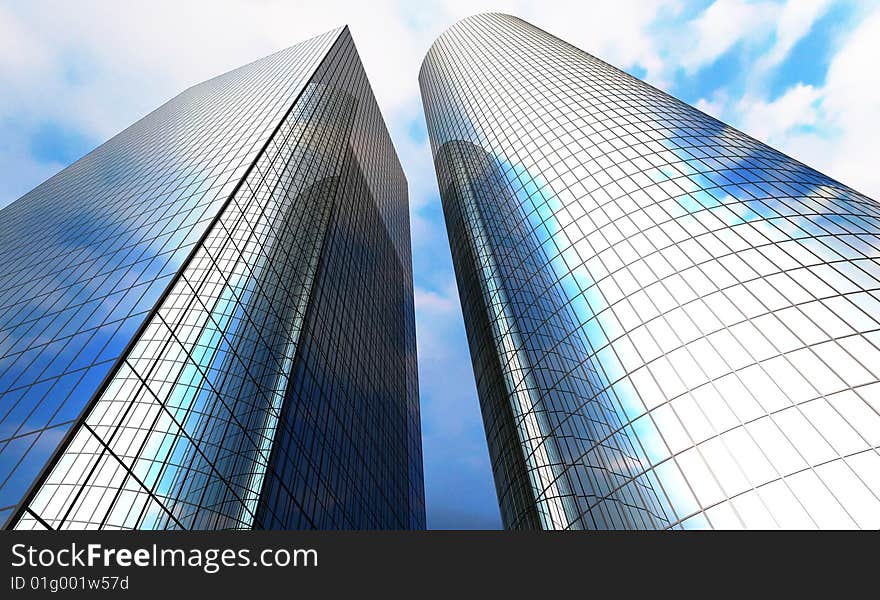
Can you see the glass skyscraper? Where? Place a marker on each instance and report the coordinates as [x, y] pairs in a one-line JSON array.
[[207, 322], [672, 325]]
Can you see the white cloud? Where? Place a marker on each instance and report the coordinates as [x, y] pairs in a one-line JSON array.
[[851, 105], [436, 303], [714, 106], [438, 323], [795, 21], [19, 55], [771, 121], [724, 24]]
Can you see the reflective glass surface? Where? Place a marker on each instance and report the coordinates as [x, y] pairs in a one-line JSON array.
[[259, 392], [672, 325]]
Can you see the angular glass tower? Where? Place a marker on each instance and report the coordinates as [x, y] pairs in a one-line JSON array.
[[672, 325], [207, 322]]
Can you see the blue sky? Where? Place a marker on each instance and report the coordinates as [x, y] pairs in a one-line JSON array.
[[799, 74]]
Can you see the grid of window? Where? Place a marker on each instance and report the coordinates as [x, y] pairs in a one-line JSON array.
[[672, 325], [193, 429]]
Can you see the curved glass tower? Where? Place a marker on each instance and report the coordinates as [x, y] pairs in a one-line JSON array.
[[672, 325], [207, 322]]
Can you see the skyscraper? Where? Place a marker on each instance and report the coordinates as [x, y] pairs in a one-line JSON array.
[[207, 322], [672, 325]]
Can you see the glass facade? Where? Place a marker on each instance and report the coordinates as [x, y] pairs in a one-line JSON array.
[[672, 325], [217, 330]]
